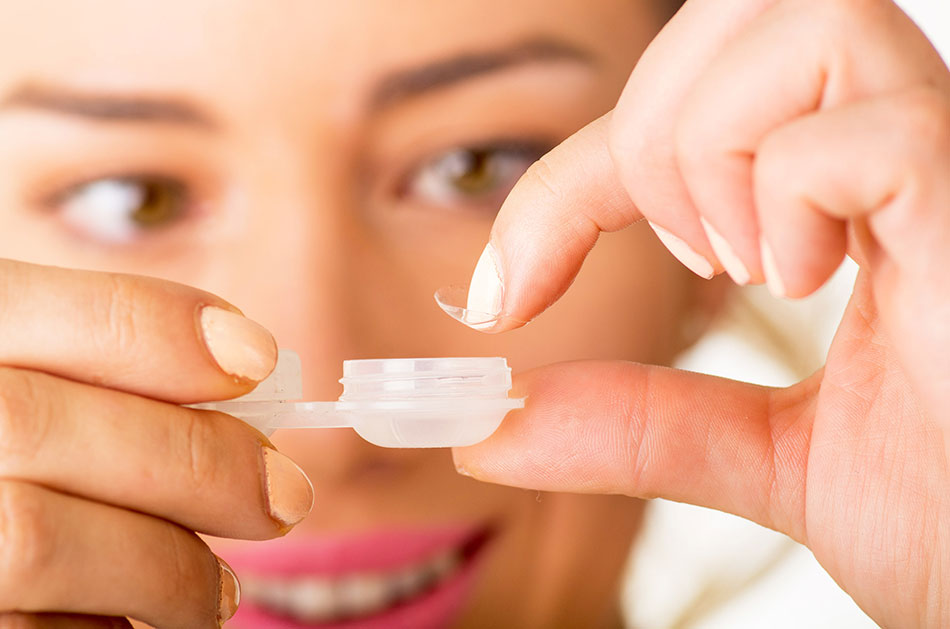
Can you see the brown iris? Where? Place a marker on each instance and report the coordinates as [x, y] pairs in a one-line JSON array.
[[160, 202], [474, 172]]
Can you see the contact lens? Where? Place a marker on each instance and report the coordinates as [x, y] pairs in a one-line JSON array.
[[453, 300]]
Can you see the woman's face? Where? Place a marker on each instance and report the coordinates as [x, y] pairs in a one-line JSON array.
[[326, 167]]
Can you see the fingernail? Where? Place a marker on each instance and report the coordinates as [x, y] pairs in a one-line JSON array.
[[772, 277], [723, 250], [241, 347], [229, 591], [486, 291], [684, 253], [288, 490]]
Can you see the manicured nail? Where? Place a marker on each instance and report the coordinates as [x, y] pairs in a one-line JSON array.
[[684, 253], [723, 250], [288, 490], [486, 291], [241, 347], [772, 277], [229, 592]]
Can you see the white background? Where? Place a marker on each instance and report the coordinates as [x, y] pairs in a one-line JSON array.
[[933, 16]]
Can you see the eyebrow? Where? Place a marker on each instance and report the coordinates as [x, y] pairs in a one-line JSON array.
[[108, 107], [389, 90], [404, 84]]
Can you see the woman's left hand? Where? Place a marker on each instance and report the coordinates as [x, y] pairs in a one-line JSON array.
[[769, 138]]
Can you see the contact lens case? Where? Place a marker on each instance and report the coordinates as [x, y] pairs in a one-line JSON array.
[[393, 402]]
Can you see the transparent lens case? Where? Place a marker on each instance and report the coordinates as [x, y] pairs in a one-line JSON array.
[[393, 403]]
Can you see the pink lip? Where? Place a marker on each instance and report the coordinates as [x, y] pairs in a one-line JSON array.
[[381, 551]]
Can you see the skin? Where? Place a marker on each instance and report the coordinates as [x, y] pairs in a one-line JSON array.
[[303, 211], [819, 128], [853, 461]]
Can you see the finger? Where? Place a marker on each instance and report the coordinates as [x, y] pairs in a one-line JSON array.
[[644, 431], [545, 228], [843, 51], [896, 187], [96, 559], [18, 620], [818, 171], [204, 470], [143, 335], [642, 134]]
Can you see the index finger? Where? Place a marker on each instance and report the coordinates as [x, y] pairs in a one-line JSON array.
[[142, 335], [544, 230]]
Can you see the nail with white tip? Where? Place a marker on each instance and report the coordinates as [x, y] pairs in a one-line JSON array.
[[724, 251], [684, 253], [486, 290], [773, 278]]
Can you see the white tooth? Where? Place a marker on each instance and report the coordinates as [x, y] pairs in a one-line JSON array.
[[320, 599], [251, 587], [409, 581], [273, 594], [362, 594], [444, 564], [312, 600]]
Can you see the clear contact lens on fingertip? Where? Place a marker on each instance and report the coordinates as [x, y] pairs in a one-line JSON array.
[[453, 300]]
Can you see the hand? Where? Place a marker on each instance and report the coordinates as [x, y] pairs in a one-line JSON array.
[[768, 138], [104, 479]]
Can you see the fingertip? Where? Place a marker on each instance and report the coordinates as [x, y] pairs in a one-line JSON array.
[[287, 489], [229, 591], [773, 277], [480, 304], [486, 291], [544, 230], [460, 458], [470, 461], [734, 265], [681, 250], [240, 347], [461, 469], [797, 275], [454, 301]]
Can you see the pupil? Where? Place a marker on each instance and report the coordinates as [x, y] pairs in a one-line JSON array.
[[157, 205], [476, 173]]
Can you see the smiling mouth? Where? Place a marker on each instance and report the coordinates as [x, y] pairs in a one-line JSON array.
[[358, 596]]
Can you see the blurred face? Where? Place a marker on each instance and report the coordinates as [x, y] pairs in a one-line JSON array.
[[326, 167]]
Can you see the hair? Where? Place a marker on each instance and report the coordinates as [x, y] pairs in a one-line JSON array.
[[672, 6]]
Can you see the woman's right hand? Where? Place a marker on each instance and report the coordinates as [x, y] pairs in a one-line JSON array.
[[104, 478], [772, 137]]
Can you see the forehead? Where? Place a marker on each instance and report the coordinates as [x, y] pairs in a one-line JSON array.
[[230, 45]]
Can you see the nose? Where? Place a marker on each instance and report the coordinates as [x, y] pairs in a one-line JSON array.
[[292, 265]]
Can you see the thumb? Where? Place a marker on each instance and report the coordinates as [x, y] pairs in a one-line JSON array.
[[544, 230], [646, 431]]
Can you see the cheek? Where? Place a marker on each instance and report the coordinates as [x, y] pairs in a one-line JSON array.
[[531, 576]]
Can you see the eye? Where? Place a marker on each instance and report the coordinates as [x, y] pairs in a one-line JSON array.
[[479, 176], [117, 210]]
